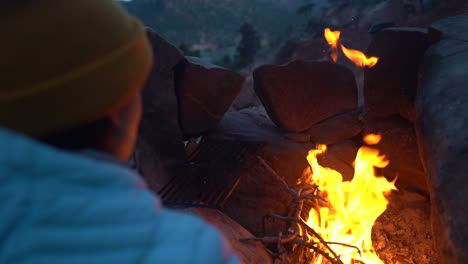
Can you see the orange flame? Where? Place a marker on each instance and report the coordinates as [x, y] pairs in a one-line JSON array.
[[353, 205], [359, 58], [372, 139], [356, 56], [332, 38]]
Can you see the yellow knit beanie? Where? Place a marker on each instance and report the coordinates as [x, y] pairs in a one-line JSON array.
[[64, 63]]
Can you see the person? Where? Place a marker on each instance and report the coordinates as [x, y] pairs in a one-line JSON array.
[[71, 72]]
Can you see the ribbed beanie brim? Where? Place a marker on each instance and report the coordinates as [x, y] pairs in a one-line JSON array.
[[65, 63]]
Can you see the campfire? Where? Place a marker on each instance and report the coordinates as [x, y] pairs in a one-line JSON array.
[[352, 206], [308, 172], [332, 219]]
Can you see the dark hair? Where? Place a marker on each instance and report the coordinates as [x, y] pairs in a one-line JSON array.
[[91, 136]]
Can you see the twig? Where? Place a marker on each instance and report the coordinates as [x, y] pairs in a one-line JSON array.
[[300, 204], [269, 239], [346, 245], [299, 207], [325, 244], [318, 250], [305, 196], [278, 254], [278, 178], [300, 196], [279, 244], [308, 188]]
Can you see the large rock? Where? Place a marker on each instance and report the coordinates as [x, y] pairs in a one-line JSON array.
[[443, 136], [399, 145], [299, 94], [205, 92], [336, 129], [390, 86], [160, 146], [252, 252], [449, 29]]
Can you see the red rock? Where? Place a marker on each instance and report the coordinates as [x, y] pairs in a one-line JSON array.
[[302, 93], [248, 252], [449, 29], [390, 86], [160, 146], [205, 92], [400, 146], [336, 129], [443, 138]]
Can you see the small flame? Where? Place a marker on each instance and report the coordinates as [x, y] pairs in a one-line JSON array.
[[356, 56], [332, 38], [359, 58], [372, 139], [353, 205]]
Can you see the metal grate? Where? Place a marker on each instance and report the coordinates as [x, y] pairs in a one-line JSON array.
[[210, 178]]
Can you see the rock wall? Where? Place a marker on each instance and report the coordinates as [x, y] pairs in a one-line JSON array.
[[443, 134]]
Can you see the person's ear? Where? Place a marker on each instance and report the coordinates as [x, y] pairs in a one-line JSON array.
[[121, 116], [116, 118]]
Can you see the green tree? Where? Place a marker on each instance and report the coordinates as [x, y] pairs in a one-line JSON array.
[[315, 18], [248, 47]]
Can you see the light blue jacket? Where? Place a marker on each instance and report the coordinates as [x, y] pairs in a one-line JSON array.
[[58, 207]]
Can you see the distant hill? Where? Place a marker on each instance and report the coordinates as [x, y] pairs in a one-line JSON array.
[[212, 25]]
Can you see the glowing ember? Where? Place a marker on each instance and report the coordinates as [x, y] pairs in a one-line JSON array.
[[332, 38], [353, 205], [356, 56]]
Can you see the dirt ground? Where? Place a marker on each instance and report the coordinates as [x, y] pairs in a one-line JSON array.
[[402, 234]]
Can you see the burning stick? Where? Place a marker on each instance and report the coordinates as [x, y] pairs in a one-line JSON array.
[[286, 187], [308, 228], [305, 192], [305, 196], [316, 249], [306, 187], [346, 245]]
